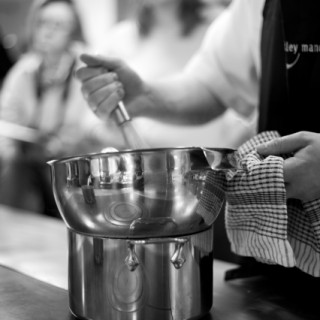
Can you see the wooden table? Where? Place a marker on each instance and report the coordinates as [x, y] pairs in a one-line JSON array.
[[34, 280]]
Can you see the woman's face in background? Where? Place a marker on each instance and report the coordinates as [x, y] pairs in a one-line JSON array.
[[53, 28]]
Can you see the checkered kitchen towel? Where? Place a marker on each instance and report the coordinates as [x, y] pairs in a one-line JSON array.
[[261, 222]]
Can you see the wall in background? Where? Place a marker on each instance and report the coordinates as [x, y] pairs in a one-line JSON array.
[[12, 20]]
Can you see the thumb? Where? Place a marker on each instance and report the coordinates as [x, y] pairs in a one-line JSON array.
[[283, 145], [100, 61]]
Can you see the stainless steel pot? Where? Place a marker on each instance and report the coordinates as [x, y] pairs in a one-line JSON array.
[[140, 228], [161, 278]]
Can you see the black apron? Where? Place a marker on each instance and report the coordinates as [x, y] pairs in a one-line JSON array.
[[290, 64], [290, 57]]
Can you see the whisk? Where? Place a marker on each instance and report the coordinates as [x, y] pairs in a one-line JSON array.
[[132, 138]]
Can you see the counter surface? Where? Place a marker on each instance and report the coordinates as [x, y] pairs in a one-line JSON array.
[[34, 279]]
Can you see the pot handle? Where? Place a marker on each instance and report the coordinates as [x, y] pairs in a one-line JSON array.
[[222, 159], [178, 259]]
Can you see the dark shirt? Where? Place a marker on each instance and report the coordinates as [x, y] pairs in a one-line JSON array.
[[290, 52]]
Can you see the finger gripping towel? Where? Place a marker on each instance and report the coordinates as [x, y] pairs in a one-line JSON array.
[[261, 222]]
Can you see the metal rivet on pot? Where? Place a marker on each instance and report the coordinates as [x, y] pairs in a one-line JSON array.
[[178, 258], [131, 260]]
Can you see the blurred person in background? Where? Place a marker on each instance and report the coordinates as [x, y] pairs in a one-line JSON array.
[[40, 93], [158, 41]]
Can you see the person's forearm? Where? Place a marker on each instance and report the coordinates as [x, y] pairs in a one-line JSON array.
[[181, 101]]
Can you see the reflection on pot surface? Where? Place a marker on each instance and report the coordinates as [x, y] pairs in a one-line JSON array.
[[140, 227], [161, 278], [143, 193]]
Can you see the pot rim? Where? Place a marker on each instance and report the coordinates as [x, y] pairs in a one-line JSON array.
[[132, 151]]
